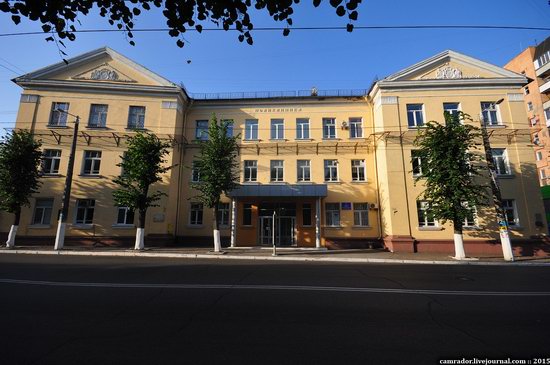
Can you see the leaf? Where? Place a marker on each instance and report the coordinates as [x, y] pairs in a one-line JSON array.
[[340, 11], [16, 19], [316, 3], [46, 28], [349, 27], [132, 43], [198, 27], [180, 43], [249, 40], [353, 15], [49, 39], [335, 3], [286, 32]]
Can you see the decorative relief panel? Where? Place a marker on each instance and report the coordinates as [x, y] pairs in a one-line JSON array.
[[104, 72]]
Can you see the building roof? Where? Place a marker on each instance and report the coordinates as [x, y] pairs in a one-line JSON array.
[[280, 190]]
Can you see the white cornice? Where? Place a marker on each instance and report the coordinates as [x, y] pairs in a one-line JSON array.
[[454, 83]]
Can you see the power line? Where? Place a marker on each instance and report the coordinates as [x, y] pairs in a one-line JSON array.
[[319, 28]]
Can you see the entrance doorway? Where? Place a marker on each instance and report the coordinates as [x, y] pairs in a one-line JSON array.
[[285, 228]]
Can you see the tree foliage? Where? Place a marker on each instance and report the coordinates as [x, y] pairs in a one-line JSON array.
[[142, 166], [20, 158], [60, 17], [450, 169], [217, 164]]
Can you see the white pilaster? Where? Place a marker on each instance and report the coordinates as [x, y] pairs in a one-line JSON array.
[[233, 222]]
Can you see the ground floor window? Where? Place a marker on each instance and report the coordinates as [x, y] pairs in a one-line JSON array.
[[425, 215], [247, 214], [125, 216], [223, 214], [196, 213], [85, 211], [306, 214], [510, 210], [361, 214], [42, 212], [332, 211], [471, 218]]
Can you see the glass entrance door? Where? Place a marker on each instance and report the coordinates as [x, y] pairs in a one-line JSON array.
[[284, 231]]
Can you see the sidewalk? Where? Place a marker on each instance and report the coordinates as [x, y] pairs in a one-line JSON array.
[[283, 254]]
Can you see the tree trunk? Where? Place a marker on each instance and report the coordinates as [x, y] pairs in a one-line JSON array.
[[459, 241], [217, 243], [13, 230], [140, 231]]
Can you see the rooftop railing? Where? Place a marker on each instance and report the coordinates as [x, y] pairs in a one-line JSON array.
[[279, 94]]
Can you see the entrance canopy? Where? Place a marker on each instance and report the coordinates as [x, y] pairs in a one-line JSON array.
[[275, 190]]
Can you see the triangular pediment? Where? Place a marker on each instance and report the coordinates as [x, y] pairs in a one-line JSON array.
[[451, 65], [103, 65]]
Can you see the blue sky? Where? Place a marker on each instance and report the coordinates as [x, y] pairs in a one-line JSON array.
[[325, 59]]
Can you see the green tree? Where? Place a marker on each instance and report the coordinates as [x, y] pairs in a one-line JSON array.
[[450, 172], [20, 158], [218, 169], [142, 166], [59, 18]]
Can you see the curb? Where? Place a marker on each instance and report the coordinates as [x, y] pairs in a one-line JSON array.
[[271, 258]]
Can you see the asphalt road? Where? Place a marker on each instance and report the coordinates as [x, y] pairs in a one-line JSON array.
[[93, 310]]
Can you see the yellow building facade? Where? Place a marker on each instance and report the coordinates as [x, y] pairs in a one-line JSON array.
[[317, 169]]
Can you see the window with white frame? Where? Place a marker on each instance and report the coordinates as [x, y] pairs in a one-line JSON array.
[[510, 210], [547, 114], [542, 60], [85, 211], [542, 173], [358, 170], [361, 214], [332, 214], [50, 161], [277, 170], [195, 214], [536, 139], [201, 130], [331, 170], [489, 113], [125, 216], [425, 215], [92, 162], [304, 170], [329, 128], [534, 121], [223, 214], [250, 170], [538, 154], [355, 128], [415, 115], [302, 128], [471, 217], [251, 129], [98, 116], [451, 108], [230, 127], [195, 173], [136, 117], [58, 116], [530, 106], [500, 159], [416, 161], [42, 211], [277, 129]]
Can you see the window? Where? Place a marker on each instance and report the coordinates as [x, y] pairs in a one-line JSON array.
[[92, 162], [355, 128], [302, 128], [230, 127], [536, 139], [332, 211], [331, 170], [425, 215], [195, 173], [542, 174], [539, 155], [451, 108], [361, 214], [98, 116], [534, 121], [201, 130], [526, 90], [547, 114], [125, 216], [358, 172], [329, 128], [223, 214], [306, 214], [277, 129], [247, 214], [277, 170], [50, 161], [250, 170], [85, 211], [416, 161], [530, 106], [510, 210], [58, 116], [251, 129], [489, 113], [500, 159], [42, 211], [415, 115], [471, 218], [136, 117], [304, 170], [195, 214]]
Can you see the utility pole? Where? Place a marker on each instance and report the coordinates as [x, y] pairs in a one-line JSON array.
[[497, 197], [62, 222]]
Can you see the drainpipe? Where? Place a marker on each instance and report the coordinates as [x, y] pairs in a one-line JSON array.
[[404, 167], [379, 214], [182, 154]]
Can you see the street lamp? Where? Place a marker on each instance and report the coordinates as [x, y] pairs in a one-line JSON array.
[[497, 197], [60, 235]]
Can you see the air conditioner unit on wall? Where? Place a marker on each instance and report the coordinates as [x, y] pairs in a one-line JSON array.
[[373, 206]]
